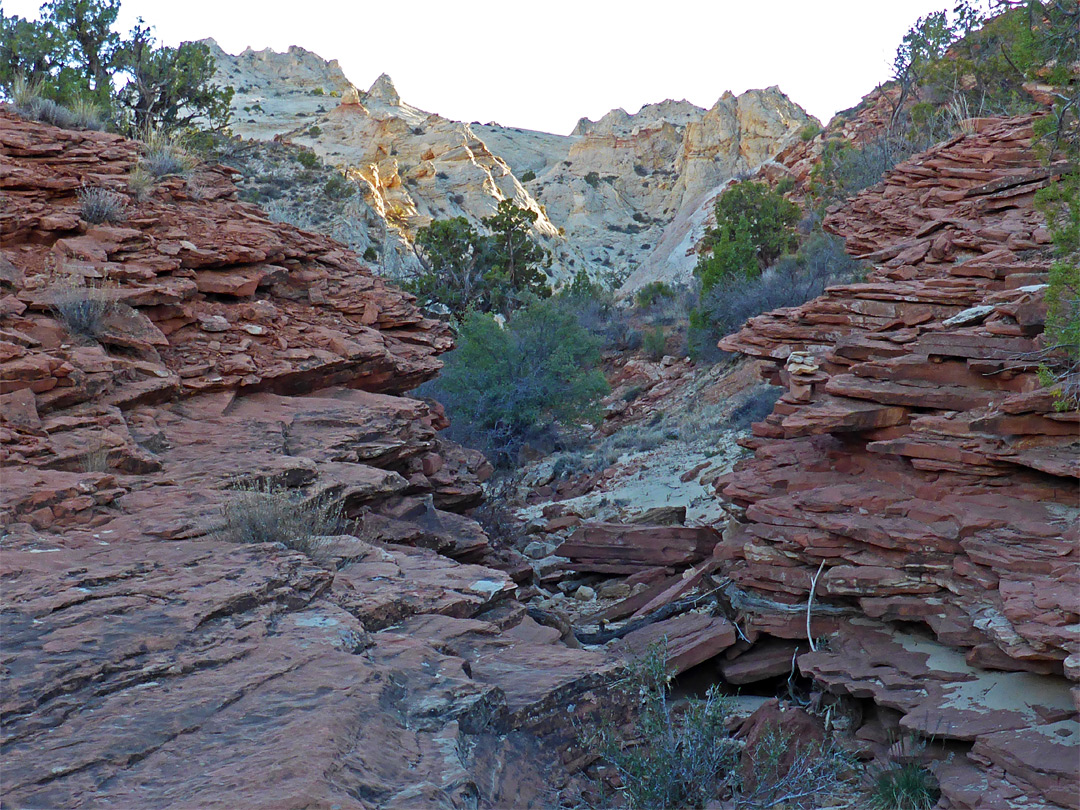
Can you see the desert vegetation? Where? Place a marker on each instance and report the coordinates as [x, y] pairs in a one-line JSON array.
[[60, 69], [265, 512], [464, 270], [681, 754], [503, 386]]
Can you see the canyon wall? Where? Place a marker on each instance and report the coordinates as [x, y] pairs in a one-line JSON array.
[[627, 197]]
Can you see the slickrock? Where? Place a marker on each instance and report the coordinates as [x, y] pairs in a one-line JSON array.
[[148, 659], [916, 465]]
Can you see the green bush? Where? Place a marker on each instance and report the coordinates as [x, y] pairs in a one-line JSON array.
[[593, 179], [463, 270], [528, 175], [338, 188], [754, 226], [309, 160], [503, 385], [680, 754], [370, 254], [810, 131], [651, 293], [654, 344], [735, 298], [314, 131], [74, 54]]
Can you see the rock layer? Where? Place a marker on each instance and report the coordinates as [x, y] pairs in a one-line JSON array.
[[627, 193], [149, 660], [915, 468]]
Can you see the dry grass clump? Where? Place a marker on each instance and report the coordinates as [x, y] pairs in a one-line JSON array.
[[100, 205], [140, 183], [262, 512], [27, 97], [164, 156], [83, 309]]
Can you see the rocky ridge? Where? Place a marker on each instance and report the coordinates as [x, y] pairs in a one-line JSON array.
[[627, 195], [142, 646]]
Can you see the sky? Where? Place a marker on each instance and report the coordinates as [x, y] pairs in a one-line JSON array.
[[544, 65]]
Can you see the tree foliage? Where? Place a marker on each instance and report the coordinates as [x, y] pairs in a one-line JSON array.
[[465, 270], [754, 226], [503, 385], [73, 54]]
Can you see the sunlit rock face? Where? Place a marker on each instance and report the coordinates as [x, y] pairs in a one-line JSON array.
[[626, 197]]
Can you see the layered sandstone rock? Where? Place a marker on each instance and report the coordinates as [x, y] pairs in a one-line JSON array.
[[148, 659], [916, 470]]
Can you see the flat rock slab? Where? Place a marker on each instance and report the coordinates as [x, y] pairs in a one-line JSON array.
[[690, 639], [1022, 723], [614, 548], [766, 659]]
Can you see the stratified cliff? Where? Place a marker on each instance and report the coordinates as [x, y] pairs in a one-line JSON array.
[[916, 474]]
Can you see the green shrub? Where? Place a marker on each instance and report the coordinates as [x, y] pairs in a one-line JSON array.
[[654, 344], [528, 175], [314, 131], [680, 754], [593, 179], [338, 188], [735, 298], [99, 205], [318, 91], [684, 758], [309, 160], [810, 131], [370, 254], [651, 293], [503, 385], [74, 51], [910, 787], [268, 513], [463, 270], [754, 226]]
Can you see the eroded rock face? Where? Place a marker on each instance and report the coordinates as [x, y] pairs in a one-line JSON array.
[[149, 660], [628, 192], [916, 464]]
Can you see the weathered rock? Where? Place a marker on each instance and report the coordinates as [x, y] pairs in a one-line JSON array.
[[915, 469], [139, 632], [618, 549]]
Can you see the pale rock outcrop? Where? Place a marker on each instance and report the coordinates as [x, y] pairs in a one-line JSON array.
[[628, 196]]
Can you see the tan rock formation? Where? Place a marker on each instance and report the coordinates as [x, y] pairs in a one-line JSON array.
[[628, 195]]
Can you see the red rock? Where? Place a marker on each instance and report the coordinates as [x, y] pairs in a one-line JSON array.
[[690, 639], [618, 549]]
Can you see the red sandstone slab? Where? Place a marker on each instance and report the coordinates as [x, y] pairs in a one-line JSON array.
[[690, 639], [617, 548]]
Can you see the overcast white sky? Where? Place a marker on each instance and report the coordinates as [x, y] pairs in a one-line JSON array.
[[543, 65]]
